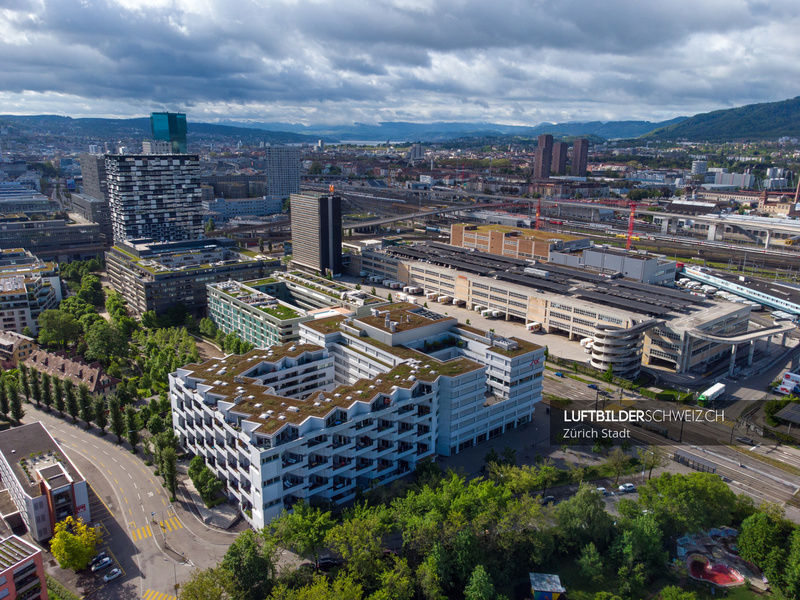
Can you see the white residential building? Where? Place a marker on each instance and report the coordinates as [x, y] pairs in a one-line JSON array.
[[358, 403]]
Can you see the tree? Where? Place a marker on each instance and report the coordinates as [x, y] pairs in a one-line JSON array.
[[85, 404], [71, 400], [583, 518], [209, 227], [15, 404], [792, 575], [480, 585], [74, 543], [261, 244], [117, 418], [207, 327], [104, 341], [304, 530], [169, 462], [762, 540], [47, 391], [24, 381], [36, 386], [207, 584], [673, 592], [132, 427], [359, 541], [651, 458], [100, 415], [254, 560], [58, 395], [389, 298], [150, 320], [59, 328], [91, 290], [617, 461], [155, 424], [608, 376], [591, 563], [548, 474], [4, 406]]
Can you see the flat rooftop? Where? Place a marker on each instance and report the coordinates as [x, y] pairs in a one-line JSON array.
[[778, 289], [537, 235], [30, 447], [14, 550]]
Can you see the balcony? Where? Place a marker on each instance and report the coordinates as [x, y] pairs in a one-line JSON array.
[[338, 442], [316, 461], [317, 441]]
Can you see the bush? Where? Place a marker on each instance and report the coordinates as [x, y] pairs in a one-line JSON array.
[[56, 591]]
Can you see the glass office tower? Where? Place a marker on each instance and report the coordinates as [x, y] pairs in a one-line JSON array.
[[170, 127]]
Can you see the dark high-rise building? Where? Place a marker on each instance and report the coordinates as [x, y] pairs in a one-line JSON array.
[[170, 127], [544, 156], [154, 196], [93, 172], [559, 166], [580, 156], [317, 232]]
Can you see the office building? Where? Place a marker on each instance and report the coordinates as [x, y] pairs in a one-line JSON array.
[[17, 198], [21, 570], [157, 147], [28, 286], [54, 239], [358, 402], [93, 210], [580, 157], [170, 127], [515, 242], [93, 173], [317, 232], [636, 265], [156, 276], [559, 166], [225, 210], [154, 196], [40, 480], [627, 318], [282, 168], [544, 157], [269, 311]]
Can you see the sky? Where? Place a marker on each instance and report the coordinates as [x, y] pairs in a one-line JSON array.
[[519, 62]]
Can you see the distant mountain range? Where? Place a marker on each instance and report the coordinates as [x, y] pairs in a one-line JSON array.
[[769, 120], [443, 131]]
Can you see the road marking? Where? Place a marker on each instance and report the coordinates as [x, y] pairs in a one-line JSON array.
[[101, 464], [142, 533], [130, 512], [115, 481], [164, 501], [151, 479], [152, 595], [129, 475], [115, 460], [121, 490], [138, 494], [106, 453], [98, 447], [101, 500], [126, 499], [73, 435], [109, 472]]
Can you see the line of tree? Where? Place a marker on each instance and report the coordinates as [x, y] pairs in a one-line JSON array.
[[230, 343]]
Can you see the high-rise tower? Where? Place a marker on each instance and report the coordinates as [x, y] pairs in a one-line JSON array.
[[170, 127], [559, 166], [317, 232], [544, 156], [580, 156]]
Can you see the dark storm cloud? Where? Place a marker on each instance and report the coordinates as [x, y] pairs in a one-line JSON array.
[[373, 60]]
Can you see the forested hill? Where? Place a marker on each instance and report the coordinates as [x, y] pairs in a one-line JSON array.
[[767, 121]]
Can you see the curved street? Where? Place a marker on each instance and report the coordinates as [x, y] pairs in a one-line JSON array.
[[156, 543]]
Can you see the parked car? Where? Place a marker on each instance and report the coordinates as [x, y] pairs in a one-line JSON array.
[[593, 386], [98, 558], [326, 563], [548, 500], [603, 491], [102, 564], [112, 575], [745, 440], [627, 488], [559, 374]]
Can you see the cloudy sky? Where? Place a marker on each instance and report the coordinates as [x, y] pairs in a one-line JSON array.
[[343, 61]]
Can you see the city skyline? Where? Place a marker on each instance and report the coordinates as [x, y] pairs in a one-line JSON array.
[[402, 60]]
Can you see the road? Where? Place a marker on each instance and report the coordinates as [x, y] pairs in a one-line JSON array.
[[154, 543]]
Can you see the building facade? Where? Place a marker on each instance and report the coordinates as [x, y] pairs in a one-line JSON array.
[[156, 276], [559, 166], [580, 157], [544, 157], [243, 207], [77, 370], [154, 196], [170, 127], [514, 242], [93, 173], [41, 481], [359, 402], [317, 232], [282, 168], [28, 286], [21, 570], [15, 347]]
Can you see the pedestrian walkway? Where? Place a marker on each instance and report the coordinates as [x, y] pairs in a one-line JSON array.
[[153, 595], [141, 533]]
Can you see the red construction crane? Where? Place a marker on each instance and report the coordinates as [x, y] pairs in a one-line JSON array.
[[538, 212], [630, 225]]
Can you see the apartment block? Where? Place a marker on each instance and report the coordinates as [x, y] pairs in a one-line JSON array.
[[28, 286], [154, 196], [358, 402], [580, 157], [269, 311], [21, 570], [559, 166], [44, 486], [544, 157], [282, 168]]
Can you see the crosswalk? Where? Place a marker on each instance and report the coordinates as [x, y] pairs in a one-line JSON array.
[[141, 533], [153, 595]]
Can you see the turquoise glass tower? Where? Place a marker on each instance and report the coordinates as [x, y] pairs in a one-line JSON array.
[[170, 127]]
